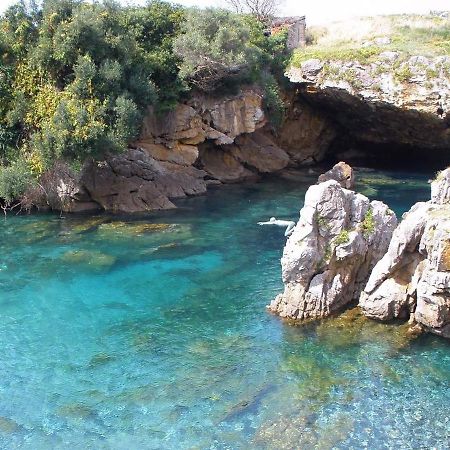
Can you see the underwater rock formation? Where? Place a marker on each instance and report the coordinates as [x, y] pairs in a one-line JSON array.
[[327, 260], [413, 278]]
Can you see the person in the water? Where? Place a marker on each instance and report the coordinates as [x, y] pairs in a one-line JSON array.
[[281, 223]]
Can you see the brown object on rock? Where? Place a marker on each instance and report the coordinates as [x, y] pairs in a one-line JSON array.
[[342, 173]]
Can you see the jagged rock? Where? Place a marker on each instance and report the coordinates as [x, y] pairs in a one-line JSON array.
[[342, 173], [413, 278], [311, 68], [339, 238], [205, 117], [440, 188], [233, 117], [135, 182]]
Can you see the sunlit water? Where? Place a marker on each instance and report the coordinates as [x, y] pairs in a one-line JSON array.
[[119, 334]]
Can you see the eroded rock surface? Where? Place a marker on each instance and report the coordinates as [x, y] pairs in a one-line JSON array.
[[208, 140], [135, 181], [391, 100], [340, 172], [413, 278], [339, 238]]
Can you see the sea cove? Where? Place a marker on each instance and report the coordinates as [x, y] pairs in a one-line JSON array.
[[151, 332]]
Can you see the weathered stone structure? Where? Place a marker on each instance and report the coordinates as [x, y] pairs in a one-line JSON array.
[[296, 30]]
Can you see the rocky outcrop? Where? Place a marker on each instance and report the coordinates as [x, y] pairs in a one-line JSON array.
[[203, 118], [135, 181], [393, 99], [207, 140], [305, 134], [342, 173], [339, 238], [413, 278]]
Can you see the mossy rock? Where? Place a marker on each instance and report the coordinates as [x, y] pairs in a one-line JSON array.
[[8, 426], [127, 229], [75, 410], [353, 328], [86, 225], [89, 258], [100, 359]]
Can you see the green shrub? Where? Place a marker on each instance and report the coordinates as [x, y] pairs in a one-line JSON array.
[[342, 238], [77, 77], [272, 99], [214, 45], [14, 181], [368, 224]]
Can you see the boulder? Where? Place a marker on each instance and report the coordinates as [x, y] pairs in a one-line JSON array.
[[258, 151], [134, 181], [340, 172], [327, 260], [220, 164], [413, 278]]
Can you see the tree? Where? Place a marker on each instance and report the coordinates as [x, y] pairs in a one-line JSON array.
[[263, 10], [214, 47]]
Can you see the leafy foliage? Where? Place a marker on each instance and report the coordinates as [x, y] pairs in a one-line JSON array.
[[14, 180], [77, 77]]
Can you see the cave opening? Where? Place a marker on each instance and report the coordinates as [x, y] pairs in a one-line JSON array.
[[385, 156]]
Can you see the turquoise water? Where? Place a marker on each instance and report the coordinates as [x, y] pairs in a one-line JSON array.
[[117, 334]]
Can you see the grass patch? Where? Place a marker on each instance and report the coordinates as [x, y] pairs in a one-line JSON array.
[[368, 224], [321, 221], [342, 238], [344, 52], [355, 39]]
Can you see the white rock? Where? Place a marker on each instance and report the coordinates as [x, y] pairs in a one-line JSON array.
[[326, 261]]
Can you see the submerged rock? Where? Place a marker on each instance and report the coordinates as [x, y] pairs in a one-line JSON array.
[[413, 278], [91, 259], [339, 238]]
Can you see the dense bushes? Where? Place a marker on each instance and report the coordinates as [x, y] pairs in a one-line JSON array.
[[218, 47], [77, 77]]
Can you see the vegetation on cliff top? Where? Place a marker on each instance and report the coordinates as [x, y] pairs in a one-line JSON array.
[[77, 77], [363, 39]]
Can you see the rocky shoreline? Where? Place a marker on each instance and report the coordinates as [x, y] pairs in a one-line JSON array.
[[346, 250]]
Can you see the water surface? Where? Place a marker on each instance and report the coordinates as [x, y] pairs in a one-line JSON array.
[[151, 332]]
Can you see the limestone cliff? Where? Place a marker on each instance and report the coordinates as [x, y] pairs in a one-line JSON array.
[[413, 279], [383, 79], [339, 238]]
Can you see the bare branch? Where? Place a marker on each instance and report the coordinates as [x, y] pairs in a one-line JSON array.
[[263, 10]]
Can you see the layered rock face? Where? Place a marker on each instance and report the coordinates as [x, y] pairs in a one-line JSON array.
[[327, 260], [205, 141], [386, 101], [413, 278]]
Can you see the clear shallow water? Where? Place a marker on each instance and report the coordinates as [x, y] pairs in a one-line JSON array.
[[123, 335]]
